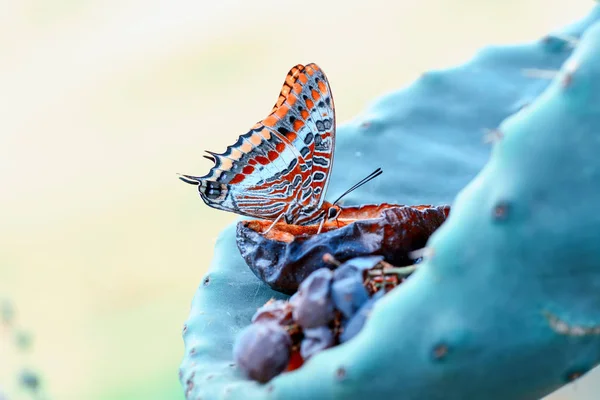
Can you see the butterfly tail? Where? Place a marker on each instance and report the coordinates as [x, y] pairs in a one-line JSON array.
[[192, 180]]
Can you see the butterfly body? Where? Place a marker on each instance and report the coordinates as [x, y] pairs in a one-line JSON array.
[[279, 169]]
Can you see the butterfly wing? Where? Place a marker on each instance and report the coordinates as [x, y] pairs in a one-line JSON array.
[[305, 107], [319, 103], [284, 159]]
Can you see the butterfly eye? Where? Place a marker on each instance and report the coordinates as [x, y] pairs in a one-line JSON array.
[[333, 212], [212, 190]]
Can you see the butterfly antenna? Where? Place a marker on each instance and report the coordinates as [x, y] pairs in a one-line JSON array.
[[364, 180]]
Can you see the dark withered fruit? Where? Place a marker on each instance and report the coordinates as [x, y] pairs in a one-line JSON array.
[[287, 254], [316, 340], [322, 314]]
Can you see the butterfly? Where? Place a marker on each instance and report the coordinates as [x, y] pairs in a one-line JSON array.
[[280, 169]]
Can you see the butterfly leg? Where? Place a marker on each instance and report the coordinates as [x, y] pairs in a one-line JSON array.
[[321, 226], [274, 222]]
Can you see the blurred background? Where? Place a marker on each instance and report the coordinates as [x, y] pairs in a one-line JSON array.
[[103, 101]]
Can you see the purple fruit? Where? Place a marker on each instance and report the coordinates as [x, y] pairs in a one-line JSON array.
[[315, 340], [262, 350], [357, 264], [348, 291], [312, 303], [355, 324], [278, 311], [349, 294]]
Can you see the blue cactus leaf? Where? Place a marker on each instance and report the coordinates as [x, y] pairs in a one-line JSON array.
[[507, 306]]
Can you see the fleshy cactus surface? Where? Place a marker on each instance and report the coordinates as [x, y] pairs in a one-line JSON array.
[[506, 307]]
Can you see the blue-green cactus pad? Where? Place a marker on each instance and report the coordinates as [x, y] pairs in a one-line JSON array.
[[507, 306]]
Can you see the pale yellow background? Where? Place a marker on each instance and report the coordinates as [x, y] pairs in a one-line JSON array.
[[103, 101]]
